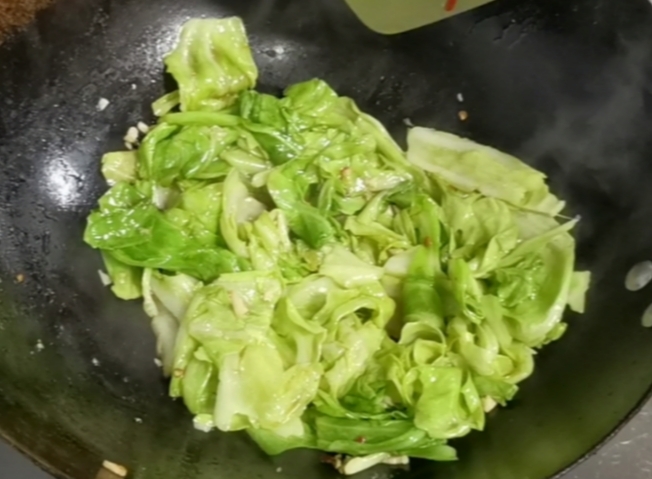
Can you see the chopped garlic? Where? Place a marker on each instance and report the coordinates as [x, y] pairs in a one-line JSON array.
[[105, 278], [132, 135], [639, 276], [353, 465], [142, 127], [397, 461], [102, 104], [116, 469], [646, 320], [488, 404], [203, 422]]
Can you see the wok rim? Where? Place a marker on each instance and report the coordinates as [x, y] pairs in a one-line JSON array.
[[48, 468]]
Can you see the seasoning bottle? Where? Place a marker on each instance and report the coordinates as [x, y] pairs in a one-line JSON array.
[[396, 16]]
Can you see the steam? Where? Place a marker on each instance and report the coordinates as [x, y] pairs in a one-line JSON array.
[[595, 143]]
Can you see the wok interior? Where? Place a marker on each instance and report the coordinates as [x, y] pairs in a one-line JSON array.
[[563, 84]]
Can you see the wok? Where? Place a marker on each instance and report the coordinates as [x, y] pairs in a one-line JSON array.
[[564, 84]]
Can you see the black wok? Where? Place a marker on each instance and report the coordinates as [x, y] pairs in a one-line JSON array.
[[565, 84]]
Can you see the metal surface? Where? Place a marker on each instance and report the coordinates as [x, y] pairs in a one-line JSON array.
[[16, 466], [628, 455], [564, 84]]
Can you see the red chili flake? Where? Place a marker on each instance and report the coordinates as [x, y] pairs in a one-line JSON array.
[[361, 440], [427, 242], [328, 459], [450, 5]]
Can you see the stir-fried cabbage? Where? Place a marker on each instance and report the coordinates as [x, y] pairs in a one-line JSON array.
[[311, 283]]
